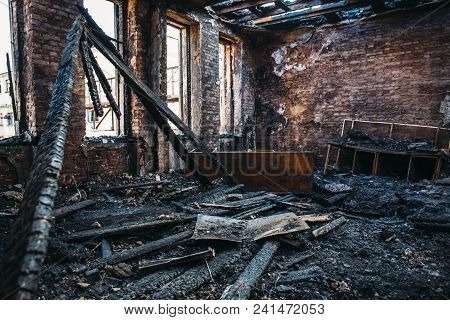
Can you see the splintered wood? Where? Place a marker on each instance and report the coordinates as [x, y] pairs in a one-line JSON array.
[[329, 227]]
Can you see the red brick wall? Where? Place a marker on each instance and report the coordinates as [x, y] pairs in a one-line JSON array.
[[8, 173], [389, 68], [43, 30], [107, 159], [15, 163]]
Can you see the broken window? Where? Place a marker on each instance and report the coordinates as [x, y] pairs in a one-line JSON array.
[[174, 69], [226, 87], [104, 13], [178, 71]]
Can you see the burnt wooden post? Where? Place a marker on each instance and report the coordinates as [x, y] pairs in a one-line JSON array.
[[25, 251], [11, 91]]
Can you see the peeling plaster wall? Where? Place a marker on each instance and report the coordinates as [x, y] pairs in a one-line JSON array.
[[389, 68]]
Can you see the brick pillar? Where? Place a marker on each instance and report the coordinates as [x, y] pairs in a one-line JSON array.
[[147, 52], [43, 27], [205, 77]]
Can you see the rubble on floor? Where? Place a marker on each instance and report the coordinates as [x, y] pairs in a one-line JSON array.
[[364, 139], [365, 237]]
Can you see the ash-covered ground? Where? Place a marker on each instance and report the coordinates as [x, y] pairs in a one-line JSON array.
[[394, 245]]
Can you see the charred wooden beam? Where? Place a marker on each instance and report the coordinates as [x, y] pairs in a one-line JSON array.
[[68, 210], [243, 286], [242, 5], [154, 281], [167, 242], [308, 12], [329, 227], [146, 100], [254, 211], [152, 102], [277, 10], [135, 186], [257, 12], [280, 4], [198, 276], [89, 73], [105, 84], [168, 262], [11, 89], [127, 228], [26, 248], [106, 249], [300, 275]]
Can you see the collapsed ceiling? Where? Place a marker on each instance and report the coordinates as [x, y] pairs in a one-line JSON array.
[[283, 14]]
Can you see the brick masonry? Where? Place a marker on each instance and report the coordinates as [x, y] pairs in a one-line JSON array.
[[388, 68], [303, 83]]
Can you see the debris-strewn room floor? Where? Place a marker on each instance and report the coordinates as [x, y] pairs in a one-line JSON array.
[[393, 244]]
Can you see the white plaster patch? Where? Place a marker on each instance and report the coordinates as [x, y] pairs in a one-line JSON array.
[[283, 63]]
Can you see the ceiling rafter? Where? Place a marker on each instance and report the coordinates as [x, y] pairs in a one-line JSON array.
[[280, 4], [243, 5], [276, 10], [261, 14]]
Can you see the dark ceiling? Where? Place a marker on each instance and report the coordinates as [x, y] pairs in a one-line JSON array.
[[282, 14]]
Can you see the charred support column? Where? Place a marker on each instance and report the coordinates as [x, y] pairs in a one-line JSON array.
[[27, 246], [144, 47]]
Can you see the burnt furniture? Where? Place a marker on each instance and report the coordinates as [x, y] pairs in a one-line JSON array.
[[410, 165]]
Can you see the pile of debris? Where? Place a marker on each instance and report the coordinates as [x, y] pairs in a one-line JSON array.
[[360, 138], [166, 237]]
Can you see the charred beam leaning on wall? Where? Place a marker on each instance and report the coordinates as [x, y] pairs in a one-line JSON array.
[[151, 101], [11, 89], [105, 84], [89, 72], [27, 246]]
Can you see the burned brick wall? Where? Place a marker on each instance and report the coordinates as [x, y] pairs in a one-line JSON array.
[[206, 33], [40, 30], [15, 163], [390, 68], [104, 158]]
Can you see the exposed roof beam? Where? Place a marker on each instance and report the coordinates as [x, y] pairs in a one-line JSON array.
[[280, 4], [309, 12], [277, 10], [242, 5], [256, 11]]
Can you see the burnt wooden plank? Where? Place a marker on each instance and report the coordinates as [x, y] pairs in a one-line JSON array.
[[127, 228], [89, 73], [68, 210], [241, 289]]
